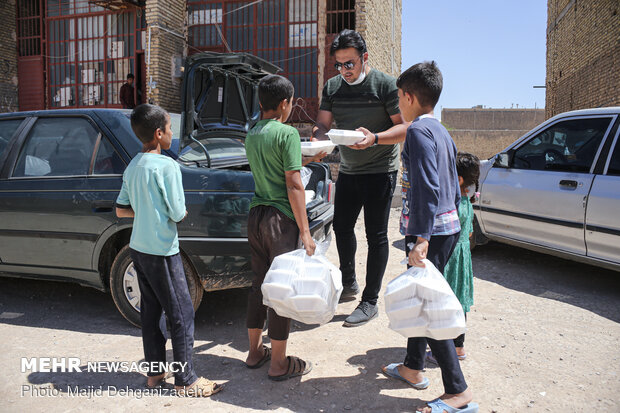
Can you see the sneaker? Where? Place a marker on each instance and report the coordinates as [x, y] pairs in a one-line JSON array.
[[362, 314], [349, 291]]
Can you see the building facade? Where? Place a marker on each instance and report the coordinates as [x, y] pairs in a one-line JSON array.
[[77, 53], [583, 55]]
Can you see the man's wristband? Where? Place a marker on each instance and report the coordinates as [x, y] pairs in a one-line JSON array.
[[376, 140]]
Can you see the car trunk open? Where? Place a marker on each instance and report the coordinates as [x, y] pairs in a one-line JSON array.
[[220, 105]]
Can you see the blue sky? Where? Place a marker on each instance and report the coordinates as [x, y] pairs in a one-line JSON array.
[[491, 52]]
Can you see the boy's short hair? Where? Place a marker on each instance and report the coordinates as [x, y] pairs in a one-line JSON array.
[[272, 90], [424, 80], [347, 39], [468, 168], [130, 76], [146, 119]]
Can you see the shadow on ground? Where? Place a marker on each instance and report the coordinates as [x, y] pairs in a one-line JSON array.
[[585, 286]]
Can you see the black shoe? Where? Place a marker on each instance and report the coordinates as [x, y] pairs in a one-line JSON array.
[[362, 314], [349, 291]]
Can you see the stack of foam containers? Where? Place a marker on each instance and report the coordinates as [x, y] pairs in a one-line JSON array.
[[420, 303], [304, 288]]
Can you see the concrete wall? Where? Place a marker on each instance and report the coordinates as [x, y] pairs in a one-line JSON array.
[[492, 119], [166, 46], [485, 132], [583, 55], [379, 22], [8, 57]]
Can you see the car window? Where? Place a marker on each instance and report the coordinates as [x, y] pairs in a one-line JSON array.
[[7, 129], [222, 151], [108, 161], [568, 146], [175, 125], [57, 147], [614, 163]]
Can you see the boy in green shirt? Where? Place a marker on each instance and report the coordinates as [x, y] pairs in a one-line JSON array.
[[277, 220]]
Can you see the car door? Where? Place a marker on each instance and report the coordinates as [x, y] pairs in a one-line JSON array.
[[50, 216], [602, 215], [541, 197]]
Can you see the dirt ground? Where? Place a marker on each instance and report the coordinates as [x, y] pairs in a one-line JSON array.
[[543, 336]]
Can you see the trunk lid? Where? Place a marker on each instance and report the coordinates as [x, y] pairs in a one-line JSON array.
[[220, 94]]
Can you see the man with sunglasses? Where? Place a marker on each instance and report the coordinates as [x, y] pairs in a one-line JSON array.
[[365, 99]]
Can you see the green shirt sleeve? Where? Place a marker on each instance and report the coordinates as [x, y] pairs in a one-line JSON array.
[[326, 102], [391, 97], [291, 151], [172, 190], [123, 196]]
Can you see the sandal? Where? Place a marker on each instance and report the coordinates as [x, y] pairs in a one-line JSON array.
[[201, 388], [439, 406], [266, 357], [160, 383], [391, 370], [296, 367]]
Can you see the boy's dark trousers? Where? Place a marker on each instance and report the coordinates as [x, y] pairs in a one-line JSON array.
[[163, 287], [270, 233], [373, 192], [440, 248]]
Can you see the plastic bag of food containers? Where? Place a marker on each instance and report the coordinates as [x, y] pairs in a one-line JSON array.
[[304, 288], [420, 303]]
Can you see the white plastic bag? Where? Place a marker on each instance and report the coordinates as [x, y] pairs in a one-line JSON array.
[[420, 303], [304, 288]]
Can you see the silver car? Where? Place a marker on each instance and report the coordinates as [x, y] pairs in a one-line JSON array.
[[557, 189]]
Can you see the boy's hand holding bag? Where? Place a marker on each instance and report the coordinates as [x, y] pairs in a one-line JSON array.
[[420, 303], [302, 287]]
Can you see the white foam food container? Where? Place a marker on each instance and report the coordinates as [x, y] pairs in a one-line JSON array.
[[345, 137], [315, 147]]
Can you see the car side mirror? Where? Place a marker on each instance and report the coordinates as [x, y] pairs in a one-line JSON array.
[[503, 159]]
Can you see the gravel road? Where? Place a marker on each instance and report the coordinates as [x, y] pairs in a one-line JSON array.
[[543, 335]]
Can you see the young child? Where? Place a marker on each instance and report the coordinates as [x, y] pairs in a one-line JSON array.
[[152, 194], [277, 220], [433, 227], [458, 271]]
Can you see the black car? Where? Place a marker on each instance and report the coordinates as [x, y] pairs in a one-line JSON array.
[[61, 171]]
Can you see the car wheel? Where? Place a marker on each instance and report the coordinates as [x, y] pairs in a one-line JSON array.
[[477, 237], [126, 292]]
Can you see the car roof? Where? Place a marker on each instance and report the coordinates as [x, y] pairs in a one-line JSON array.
[[614, 110], [74, 111], [63, 112]]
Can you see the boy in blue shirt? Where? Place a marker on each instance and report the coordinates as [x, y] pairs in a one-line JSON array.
[[152, 194], [430, 157], [277, 220]]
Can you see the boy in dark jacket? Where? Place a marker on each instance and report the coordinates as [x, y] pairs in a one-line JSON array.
[[434, 227]]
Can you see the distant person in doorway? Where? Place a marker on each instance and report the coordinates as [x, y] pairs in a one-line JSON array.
[[126, 94]]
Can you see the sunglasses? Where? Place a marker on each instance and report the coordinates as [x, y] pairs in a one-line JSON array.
[[347, 65]]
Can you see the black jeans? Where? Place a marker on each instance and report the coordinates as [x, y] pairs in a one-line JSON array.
[[374, 193], [439, 250], [460, 340], [163, 287]]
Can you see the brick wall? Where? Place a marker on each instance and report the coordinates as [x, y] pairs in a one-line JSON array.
[[379, 22], [8, 57], [583, 55], [485, 132], [165, 47]]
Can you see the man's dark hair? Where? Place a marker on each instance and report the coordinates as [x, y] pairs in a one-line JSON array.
[[468, 168], [272, 90], [346, 39], [146, 119], [130, 76], [424, 80]]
